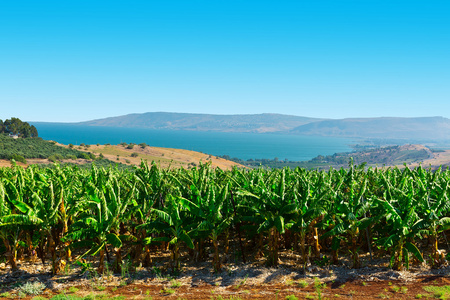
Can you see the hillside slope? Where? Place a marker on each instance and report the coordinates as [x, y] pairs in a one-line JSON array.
[[163, 156], [384, 128], [411, 129], [27, 151]]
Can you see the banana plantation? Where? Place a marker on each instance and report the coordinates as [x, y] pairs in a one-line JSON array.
[[65, 215]]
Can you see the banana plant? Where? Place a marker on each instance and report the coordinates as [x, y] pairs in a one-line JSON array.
[[47, 201], [95, 227], [174, 224], [349, 208], [311, 192], [273, 211], [214, 216], [399, 208], [434, 209], [15, 216]]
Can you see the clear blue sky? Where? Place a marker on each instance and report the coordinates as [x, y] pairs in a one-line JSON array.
[[87, 59]]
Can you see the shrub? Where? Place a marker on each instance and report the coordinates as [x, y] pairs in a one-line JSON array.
[[143, 145], [84, 156], [32, 288], [130, 146], [55, 157], [134, 154], [18, 158]]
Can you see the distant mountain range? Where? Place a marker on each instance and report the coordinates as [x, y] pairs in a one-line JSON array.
[[259, 123], [426, 128]]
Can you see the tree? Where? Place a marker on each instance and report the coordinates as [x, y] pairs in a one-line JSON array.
[[17, 127]]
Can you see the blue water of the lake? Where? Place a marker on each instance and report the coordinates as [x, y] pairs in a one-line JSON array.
[[240, 145]]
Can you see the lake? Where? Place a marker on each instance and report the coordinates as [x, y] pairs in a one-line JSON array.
[[241, 145]]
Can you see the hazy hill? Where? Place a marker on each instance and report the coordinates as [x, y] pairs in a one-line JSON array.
[[387, 128], [206, 122], [429, 128]]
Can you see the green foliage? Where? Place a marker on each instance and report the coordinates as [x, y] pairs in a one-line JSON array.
[[18, 158], [15, 126], [392, 155], [167, 291], [55, 157], [439, 292], [100, 163], [27, 148], [175, 284], [102, 210], [73, 289]]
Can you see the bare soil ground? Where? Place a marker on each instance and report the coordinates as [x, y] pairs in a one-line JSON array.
[[236, 281]]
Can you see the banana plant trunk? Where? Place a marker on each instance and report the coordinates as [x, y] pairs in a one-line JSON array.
[[259, 251], [11, 254], [176, 257], [316, 243], [101, 266], [118, 262], [303, 246], [31, 249], [52, 250], [435, 248], [334, 256], [147, 256], [354, 249], [216, 259], [273, 247], [227, 242], [65, 229], [398, 257]]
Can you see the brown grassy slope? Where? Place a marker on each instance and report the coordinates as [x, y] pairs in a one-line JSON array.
[[436, 158], [164, 156]]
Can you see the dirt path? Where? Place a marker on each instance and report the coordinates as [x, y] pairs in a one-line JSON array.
[[236, 281], [426, 287]]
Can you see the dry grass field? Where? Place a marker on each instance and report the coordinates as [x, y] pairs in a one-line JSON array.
[[165, 157]]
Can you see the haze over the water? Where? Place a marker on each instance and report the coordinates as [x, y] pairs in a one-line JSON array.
[[70, 61]]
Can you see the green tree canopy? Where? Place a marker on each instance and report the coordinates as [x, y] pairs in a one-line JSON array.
[[17, 127]]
